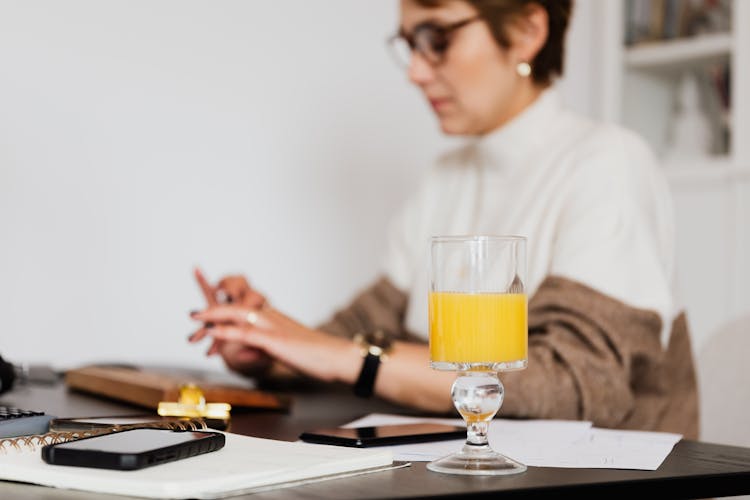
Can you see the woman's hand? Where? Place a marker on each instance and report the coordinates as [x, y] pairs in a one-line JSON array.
[[230, 289], [252, 337], [233, 289], [311, 352]]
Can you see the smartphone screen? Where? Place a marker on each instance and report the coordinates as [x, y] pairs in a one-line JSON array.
[[132, 449], [384, 435]]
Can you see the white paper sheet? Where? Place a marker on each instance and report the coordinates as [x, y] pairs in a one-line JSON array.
[[545, 443]]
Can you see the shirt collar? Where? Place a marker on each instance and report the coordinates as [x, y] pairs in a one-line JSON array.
[[506, 147]]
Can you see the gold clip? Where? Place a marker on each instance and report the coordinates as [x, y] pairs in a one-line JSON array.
[[192, 403]]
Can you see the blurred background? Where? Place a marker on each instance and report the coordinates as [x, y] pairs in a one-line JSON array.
[[141, 138]]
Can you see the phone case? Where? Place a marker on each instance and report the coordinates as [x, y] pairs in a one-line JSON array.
[[58, 455]]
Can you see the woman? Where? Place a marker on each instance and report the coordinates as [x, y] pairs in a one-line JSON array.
[[606, 342]]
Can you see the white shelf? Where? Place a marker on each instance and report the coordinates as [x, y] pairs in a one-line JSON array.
[[673, 54]]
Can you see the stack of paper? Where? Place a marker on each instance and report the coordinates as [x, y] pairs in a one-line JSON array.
[[545, 443], [245, 464]]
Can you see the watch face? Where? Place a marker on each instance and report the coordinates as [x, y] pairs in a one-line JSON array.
[[378, 338]]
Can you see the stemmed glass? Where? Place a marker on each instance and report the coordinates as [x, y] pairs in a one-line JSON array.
[[478, 327]]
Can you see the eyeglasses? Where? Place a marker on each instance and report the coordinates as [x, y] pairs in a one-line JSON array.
[[430, 40]]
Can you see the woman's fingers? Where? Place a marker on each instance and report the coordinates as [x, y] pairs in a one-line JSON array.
[[208, 291], [239, 353], [215, 347], [201, 333], [232, 333], [245, 359], [197, 336], [238, 291], [235, 287], [229, 313]]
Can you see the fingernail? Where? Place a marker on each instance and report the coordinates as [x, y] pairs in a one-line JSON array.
[[190, 337], [194, 313]]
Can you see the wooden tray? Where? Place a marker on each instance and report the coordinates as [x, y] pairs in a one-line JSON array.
[[147, 387]]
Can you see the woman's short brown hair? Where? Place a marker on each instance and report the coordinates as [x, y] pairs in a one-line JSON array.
[[548, 63]]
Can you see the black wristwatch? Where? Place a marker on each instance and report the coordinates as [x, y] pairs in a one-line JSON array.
[[375, 347]]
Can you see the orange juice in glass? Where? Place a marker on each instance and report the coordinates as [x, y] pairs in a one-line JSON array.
[[478, 327]]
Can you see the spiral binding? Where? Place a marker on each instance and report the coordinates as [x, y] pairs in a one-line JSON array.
[[35, 441]]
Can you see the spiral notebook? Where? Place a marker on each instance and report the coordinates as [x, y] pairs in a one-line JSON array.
[[244, 465], [36, 441]]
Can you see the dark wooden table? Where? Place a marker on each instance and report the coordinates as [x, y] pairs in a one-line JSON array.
[[692, 470]]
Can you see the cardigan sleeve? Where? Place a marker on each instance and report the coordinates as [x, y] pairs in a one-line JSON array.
[[380, 306], [593, 357]]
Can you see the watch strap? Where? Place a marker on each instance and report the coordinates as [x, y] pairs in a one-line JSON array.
[[366, 382]]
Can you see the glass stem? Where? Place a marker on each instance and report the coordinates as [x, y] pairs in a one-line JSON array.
[[476, 433], [477, 396]]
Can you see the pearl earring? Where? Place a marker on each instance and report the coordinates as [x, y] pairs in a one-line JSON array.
[[523, 69]]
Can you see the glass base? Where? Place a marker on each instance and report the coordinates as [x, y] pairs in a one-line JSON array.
[[477, 461]]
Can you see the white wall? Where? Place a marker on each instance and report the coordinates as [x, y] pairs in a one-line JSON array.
[[139, 138]]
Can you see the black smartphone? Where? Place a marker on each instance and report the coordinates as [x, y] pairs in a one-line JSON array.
[[132, 449], [363, 437]]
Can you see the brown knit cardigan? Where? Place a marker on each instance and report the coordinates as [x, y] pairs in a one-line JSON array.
[[591, 357]]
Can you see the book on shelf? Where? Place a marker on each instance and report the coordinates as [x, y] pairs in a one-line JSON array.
[[716, 96], [653, 20], [244, 465]]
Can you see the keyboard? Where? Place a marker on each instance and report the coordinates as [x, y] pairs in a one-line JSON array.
[[16, 422]]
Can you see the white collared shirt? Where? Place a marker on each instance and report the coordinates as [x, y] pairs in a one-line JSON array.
[[589, 197]]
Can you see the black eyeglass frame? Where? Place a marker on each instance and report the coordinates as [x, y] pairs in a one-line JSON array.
[[435, 55]]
